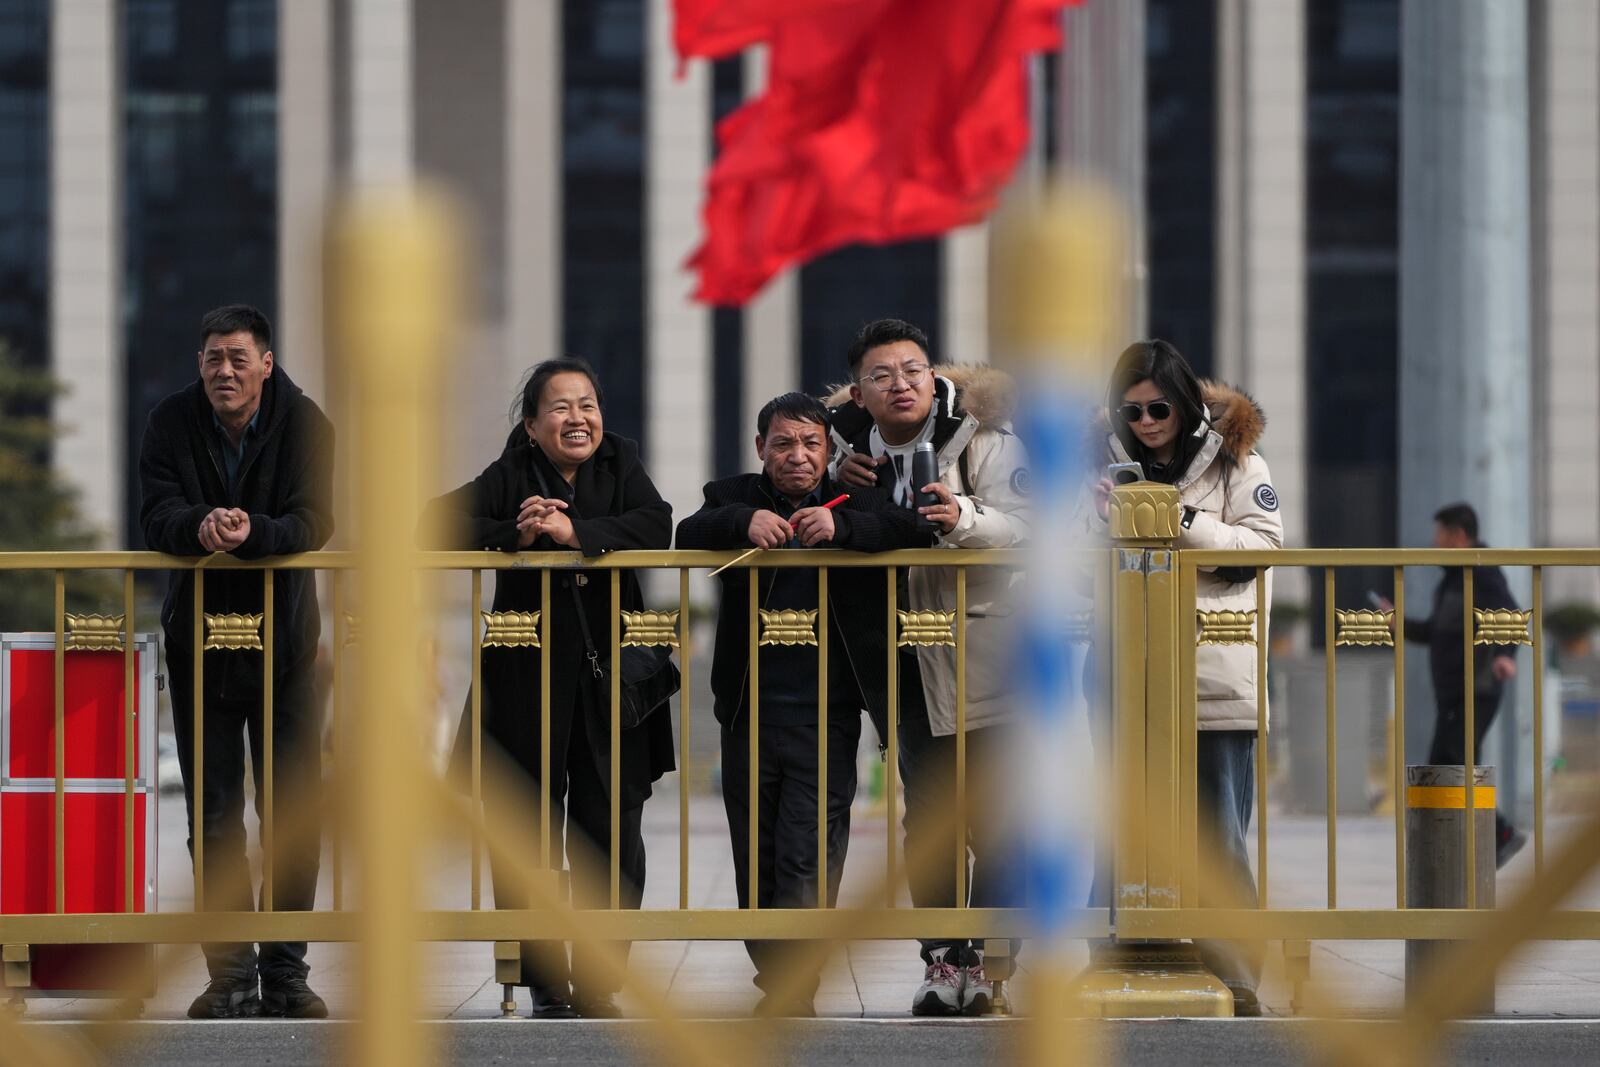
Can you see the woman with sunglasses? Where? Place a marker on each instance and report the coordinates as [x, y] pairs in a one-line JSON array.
[[1200, 438]]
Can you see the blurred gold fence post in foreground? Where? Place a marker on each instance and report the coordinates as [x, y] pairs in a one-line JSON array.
[[394, 267]]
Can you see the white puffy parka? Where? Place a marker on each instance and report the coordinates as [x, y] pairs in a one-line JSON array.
[[1235, 506]]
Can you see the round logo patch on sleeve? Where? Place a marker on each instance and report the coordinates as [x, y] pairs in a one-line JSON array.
[[1021, 481], [1266, 497]]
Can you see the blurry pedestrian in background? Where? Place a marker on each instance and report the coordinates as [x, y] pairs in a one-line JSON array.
[[1456, 526]]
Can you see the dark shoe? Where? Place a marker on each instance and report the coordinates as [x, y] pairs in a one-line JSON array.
[[596, 1006], [227, 998], [770, 1007], [550, 1002], [1509, 844], [1246, 1005], [291, 999]]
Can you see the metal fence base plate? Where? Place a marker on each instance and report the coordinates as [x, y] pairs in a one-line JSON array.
[[1150, 980]]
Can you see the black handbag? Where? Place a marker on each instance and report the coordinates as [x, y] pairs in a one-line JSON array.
[[649, 677]]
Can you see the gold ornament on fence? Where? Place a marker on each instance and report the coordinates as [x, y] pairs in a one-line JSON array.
[[1144, 511], [926, 628], [788, 627], [1498, 626], [94, 633], [643, 629], [1227, 627], [233, 631], [1364, 628], [511, 629], [352, 629]]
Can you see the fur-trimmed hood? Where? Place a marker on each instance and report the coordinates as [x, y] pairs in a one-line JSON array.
[[1237, 422]]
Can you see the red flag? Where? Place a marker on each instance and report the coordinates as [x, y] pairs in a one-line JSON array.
[[883, 120]]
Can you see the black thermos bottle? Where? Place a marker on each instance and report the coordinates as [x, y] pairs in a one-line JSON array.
[[924, 471]]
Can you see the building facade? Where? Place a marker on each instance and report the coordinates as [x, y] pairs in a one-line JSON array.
[[163, 156]]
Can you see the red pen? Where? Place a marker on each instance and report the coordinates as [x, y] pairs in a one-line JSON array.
[[835, 502]]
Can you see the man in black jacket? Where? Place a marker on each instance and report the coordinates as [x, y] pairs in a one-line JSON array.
[[1456, 526], [241, 461], [784, 507]]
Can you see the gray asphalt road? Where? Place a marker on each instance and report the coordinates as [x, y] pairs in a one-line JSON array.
[[829, 1042]]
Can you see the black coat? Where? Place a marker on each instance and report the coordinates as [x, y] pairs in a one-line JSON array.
[[857, 600], [285, 484], [615, 507], [1442, 632]]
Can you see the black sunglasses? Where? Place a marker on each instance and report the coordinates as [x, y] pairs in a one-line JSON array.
[[1160, 410]]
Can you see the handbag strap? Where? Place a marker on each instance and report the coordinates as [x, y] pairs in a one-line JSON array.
[[590, 653]]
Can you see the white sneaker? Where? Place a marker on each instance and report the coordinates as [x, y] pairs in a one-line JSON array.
[[941, 988], [977, 992]]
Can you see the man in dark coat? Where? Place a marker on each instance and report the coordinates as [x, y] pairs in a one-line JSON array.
[[1456, 526], [610, 504], [781, 507], [241, 461]]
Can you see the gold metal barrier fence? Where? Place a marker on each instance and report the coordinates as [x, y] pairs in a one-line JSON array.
[[253, 635], [1159, 844]]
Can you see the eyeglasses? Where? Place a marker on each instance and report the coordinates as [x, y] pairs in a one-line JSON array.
[[1160, 411], [883, 379]]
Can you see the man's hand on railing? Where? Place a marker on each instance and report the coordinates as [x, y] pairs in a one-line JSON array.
[[1504, 668], [224, 529], [813, 526], [768, 529]]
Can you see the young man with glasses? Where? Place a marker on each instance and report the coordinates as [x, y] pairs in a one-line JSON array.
[[896, 401]]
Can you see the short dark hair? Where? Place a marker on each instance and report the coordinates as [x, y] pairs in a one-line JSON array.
[[231, 318], [797, 406], [883, 332], [1459, 516]]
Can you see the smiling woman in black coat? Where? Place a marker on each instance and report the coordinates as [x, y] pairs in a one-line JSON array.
[[563, 484]]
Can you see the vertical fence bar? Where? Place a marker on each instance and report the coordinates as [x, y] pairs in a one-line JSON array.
[[961, 737], [1538, 721], [683, 738], [197, 697], [1399, 769], [544, 718], [340, 634], [892, 764], [1172, 737], [61, 741], [1470, 761], [753, 831], [130, 741], [822, 737], [1130, 857], [1329, 644], [616, 738], [476, 843], [269, 866], [1261, 735]]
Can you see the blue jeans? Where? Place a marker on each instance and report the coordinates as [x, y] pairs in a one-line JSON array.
[[1226, 772]]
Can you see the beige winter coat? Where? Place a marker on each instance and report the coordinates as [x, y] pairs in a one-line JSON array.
[[1230, 489], [972, 407]]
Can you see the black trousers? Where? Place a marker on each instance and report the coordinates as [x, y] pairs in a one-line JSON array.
[[296, 802], [1449, 745], [787, 863], [1226, 780], [928, 769], [580, 805]]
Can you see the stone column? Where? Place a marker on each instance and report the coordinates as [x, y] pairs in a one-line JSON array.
[[1100, 119], [679, 415], [771, 319], [533, 184], [86, 353], [1261, 236], [1465, 367], [305, 179], [964, 303], [380, 92]]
